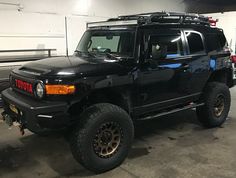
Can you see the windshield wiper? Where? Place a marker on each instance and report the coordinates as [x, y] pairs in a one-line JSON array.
[[85, 53], [93, 54], [112, 56]]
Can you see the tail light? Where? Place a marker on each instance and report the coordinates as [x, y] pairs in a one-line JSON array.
[[213, 21], [233, 59]]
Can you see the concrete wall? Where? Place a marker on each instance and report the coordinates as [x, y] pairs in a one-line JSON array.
[[31, 24], [227, 23]]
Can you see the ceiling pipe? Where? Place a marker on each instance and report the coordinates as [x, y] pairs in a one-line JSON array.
[[18, 5]]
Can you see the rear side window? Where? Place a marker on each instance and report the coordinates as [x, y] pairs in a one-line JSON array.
[[215, 42], [222, 40], [195, 43]]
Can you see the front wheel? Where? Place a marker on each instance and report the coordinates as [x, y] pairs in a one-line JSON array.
[[217, 105], [103, 137]]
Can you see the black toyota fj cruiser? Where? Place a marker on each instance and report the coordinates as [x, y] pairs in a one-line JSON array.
[[126, 69]]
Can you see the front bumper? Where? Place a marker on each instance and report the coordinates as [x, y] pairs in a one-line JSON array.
[[37, 116]]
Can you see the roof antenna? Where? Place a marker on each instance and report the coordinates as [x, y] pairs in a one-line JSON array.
[[66, 36]]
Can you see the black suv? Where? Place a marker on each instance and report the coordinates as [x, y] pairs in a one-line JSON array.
[[126, 69]]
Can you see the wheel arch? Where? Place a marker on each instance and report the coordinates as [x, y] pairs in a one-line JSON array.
[[117, 97], [222, 76]]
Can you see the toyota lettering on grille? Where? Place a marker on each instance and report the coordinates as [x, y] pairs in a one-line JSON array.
[[25, 86]]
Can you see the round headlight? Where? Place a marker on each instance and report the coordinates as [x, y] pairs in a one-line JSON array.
[[39, 90]]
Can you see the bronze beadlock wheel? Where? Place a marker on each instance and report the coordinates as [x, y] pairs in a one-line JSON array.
[[219, 105], [102, 139], [217, 101], [107, 139]]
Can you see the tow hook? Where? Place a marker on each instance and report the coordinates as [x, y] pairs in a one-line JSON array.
[[22, 130], [20, 126]]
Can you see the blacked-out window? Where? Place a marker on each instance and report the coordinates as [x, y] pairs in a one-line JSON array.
[[215, 41], [195, 42], [212, 42], [222, 40]]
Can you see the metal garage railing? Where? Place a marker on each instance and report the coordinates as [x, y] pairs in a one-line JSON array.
[[29, 50], [16, 58]]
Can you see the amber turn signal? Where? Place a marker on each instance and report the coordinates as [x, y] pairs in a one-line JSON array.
[[60, 89]]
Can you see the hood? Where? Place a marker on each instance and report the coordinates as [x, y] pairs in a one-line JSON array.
[[73, 66]]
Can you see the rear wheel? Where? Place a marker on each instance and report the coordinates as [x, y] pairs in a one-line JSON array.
[[217, 105], [103, 137]]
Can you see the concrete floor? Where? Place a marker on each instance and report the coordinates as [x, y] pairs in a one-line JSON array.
[[171, 147]]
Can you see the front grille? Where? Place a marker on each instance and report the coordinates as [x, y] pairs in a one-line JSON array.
[[22, 84]]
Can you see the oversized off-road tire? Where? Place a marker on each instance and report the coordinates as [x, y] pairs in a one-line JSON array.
[[103, 137], [217, 105]]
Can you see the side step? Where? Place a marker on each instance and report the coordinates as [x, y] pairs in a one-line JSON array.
[[190, 106]]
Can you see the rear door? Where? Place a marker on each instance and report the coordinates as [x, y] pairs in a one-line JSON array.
[[199, 65]]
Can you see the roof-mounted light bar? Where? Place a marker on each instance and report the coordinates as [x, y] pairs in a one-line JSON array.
[[111, 23]]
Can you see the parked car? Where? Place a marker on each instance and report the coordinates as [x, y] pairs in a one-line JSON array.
[[124, 70]]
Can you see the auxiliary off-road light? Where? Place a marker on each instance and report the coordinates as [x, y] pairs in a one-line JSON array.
[[60, 89]]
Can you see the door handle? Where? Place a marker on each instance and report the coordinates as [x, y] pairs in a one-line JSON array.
[[185, 66]]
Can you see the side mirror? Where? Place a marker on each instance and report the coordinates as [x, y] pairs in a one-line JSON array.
[[159, 52]]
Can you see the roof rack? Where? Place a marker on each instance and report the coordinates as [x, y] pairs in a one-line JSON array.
[[155, 18], [168, 17]]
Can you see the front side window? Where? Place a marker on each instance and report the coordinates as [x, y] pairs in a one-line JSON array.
[[195, 42], [166, 46], [120, 43]]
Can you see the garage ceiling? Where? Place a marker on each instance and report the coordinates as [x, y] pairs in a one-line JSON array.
[[209, 6], [214, 2]]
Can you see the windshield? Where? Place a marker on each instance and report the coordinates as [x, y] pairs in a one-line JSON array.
[[117, 43]]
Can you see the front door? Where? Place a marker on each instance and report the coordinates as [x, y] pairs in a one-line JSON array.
[[165, 72]]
